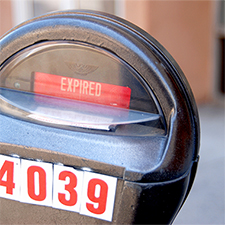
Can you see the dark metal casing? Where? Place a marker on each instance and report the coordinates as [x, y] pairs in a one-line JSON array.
[[155, 170]]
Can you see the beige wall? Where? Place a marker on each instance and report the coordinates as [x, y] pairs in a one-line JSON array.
[[5, 16], [185, 29]]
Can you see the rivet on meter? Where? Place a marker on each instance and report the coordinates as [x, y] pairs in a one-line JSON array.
[[86, 169], [15, 155], [38, 160], [59, 164], [17, 85]]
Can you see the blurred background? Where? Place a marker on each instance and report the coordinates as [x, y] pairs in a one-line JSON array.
[[194, 34]]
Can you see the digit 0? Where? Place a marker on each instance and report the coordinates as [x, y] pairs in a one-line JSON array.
[[7, 167], [97, 193], [40, 194]]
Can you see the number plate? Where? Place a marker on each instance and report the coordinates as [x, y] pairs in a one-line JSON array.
[[56, 186]]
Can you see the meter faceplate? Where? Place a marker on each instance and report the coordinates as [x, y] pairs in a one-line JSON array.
[[75, 85]]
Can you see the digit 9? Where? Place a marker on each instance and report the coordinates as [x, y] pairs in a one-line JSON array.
[[97, 193]]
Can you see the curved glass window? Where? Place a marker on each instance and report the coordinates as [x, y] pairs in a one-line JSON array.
[[76, 85]]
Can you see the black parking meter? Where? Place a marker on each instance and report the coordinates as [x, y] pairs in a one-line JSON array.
[[98, 124]]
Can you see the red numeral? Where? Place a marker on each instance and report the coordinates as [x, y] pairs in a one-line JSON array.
[[7, 167], [68, 187], [31, 183], [99, 197]]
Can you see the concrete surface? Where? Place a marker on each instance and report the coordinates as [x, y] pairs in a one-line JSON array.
[[205, 204]]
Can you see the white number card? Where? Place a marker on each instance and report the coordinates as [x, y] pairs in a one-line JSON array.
[[56, 186]]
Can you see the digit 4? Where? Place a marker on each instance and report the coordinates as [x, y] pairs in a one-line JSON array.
[[9, 177], [8, 170]]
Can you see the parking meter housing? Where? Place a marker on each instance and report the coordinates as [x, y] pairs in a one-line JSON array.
[[154, 157]]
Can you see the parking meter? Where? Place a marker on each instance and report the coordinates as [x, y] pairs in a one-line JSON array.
[[98, 124]]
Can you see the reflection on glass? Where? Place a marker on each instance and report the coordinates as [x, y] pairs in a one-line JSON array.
[[75, 84]]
